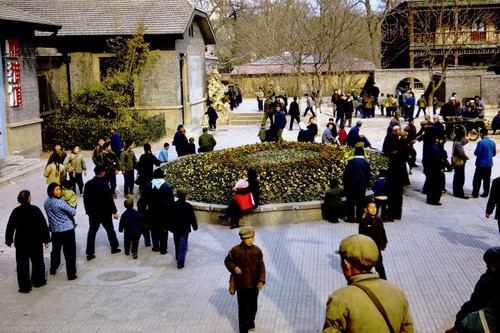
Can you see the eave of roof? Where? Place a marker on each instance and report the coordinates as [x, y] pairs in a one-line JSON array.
[[10, 15], [118, 17]]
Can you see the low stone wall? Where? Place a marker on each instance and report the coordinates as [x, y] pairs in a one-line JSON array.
[[271, 214]]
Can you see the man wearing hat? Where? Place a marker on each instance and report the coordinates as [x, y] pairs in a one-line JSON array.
[[245, 262], [352, 308], [487, 289]]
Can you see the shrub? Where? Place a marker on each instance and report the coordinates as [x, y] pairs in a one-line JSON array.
[[287, 171]]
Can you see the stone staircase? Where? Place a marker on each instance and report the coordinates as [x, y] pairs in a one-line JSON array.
[[13, 168], [245, 118]]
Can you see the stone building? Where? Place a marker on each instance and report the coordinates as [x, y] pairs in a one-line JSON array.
[[294, 77], [464, 33], [75, 56], [20, 122]]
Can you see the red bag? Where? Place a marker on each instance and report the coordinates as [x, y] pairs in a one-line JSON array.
[[244, 201]]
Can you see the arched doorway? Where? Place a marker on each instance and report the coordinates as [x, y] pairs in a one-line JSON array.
[[415, 84]]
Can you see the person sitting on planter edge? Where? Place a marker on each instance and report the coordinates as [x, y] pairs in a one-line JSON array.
[[246, 197]]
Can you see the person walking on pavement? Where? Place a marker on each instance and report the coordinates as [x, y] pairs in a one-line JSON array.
[[485, 150], [294, 112], [29, 226], [309, 105], [368, 303], [60, 215], [100, 207], [108, 159], [159, 198], [245, 262], [356, 180]]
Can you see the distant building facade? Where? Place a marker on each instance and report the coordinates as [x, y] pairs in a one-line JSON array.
[[20, 122], [466, 32], [76, 55]]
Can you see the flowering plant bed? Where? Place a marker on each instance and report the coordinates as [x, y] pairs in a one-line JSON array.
[[287, 171]]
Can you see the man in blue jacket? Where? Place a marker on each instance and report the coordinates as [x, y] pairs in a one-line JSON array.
[[485, 151], [356, 180]]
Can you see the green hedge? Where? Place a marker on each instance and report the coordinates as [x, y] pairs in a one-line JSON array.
[[287, 171], [85, 132]]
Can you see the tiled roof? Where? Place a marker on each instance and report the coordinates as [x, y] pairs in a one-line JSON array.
[[283, 65], [113, 17], [11, 14]]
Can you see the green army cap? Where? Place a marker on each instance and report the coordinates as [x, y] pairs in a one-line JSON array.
[[360, 250]]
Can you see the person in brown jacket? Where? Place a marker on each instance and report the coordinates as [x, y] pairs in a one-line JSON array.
[[246, 263]]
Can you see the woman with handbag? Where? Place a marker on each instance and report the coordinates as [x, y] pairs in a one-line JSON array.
[[458, 160], [245, 198]]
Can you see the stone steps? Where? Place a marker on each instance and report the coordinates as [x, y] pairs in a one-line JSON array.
[[245, 118], [14, 168]]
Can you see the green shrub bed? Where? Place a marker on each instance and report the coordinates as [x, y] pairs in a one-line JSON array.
[[287, 171]]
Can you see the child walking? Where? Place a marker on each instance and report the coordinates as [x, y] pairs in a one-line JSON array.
[[372, 226], [129, 225]]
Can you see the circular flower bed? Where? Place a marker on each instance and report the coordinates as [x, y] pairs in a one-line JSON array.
[[287, 171]]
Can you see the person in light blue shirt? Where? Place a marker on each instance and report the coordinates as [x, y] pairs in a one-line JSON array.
[[163, 155], [485, 151], [63, 231]]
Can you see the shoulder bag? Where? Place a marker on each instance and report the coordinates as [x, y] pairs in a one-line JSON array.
[[377, 303]]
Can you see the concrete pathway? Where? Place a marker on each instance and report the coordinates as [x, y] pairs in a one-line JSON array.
[[434, 255]]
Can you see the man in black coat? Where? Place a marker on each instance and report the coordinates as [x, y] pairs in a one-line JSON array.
[[100, 207], [356, 180], [159, 198], [487, 289], [30, 228], [434, 173], [494, 200], [397, 176]]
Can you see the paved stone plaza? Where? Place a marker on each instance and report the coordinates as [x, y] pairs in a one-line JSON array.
[[434, 255]]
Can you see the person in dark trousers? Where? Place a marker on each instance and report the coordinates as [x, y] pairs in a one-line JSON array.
[[494, 201], [372, 226], [233, 210], [31, 232], [434, 173], [145, 166], [100, 208], [182, 221], [159, 198], [59, 213], [116, 142], [180, 141], [111, 164], [333, 202], [245, 262], [294, 112], [485, 151], [212, 116], [130, 226], [487, 289], [128, 163], [356, 180]]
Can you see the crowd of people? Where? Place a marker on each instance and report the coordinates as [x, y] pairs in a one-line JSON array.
[[158, 213]]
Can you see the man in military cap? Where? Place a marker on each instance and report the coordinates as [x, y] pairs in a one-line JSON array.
[[246, 264], [487, 289], [353, 308]]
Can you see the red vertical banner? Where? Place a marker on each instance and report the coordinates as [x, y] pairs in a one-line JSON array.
[[13, 51]]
